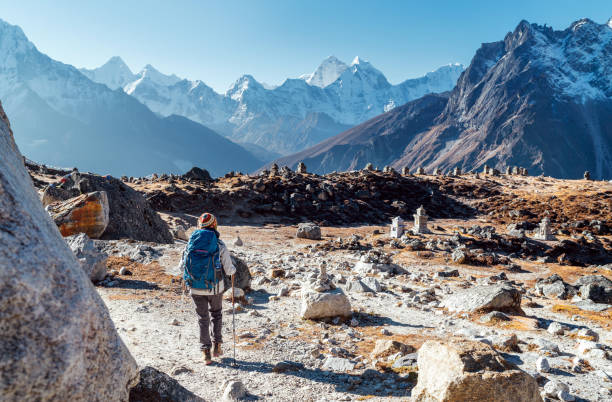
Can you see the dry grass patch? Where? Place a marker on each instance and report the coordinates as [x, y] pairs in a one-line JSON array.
[[603, 318]]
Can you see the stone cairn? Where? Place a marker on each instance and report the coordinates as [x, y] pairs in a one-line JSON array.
[[420, 221], [437, 172], [388, 169], [544, 232], [587, 175], [397, 228], [508, 170], [323, 283], [301, 168], [457, 171], [420, 170], [405, 171], [369, 167], [486, 170], [523, 172], [515, 170], [274, 170]]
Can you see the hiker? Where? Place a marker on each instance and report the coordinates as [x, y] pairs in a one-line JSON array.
[[203, 258]]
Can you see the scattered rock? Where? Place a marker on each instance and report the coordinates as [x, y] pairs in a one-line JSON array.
[[338, 364], [92, 261], [485, 298], [155, 385], [238, 241], [555, 328], [330, 304], [308, 231], [197, 173], [125, 271], [234, 390], [542, 365], [494, 316], [462, 370], [388, 347]]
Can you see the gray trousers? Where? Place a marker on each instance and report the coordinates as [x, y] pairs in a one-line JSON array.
[[204, 305]]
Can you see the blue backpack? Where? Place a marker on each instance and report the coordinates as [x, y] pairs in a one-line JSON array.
[[202, 262]]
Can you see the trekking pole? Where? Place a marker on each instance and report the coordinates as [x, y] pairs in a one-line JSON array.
[[234, 322]]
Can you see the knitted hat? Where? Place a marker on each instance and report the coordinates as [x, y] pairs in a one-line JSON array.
[[207, 221]]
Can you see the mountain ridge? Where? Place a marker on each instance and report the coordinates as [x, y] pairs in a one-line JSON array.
[[250, 112], [539, 98], [61, 117]]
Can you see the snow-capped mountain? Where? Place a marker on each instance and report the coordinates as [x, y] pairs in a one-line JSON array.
[[291, 116], [330, 69], [541, 99], [114, 73], [59, 116]]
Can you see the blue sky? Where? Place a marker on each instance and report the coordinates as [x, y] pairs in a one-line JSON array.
[[219, 41]]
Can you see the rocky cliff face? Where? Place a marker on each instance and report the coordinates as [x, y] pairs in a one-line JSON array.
[[539, 98], [57, 336]]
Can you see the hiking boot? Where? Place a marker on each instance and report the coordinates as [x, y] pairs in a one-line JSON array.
[[207, 357], [217, 352]]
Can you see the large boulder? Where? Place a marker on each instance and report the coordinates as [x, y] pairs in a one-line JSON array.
[[331, 304], [92, 260], [155, 385], [130, 214], [308, 231], [461, 370], [484, 299], [86, 213], [554, 287], [597, 288], [58, 340]]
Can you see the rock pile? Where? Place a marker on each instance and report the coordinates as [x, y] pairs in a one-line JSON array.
[[129, 214]]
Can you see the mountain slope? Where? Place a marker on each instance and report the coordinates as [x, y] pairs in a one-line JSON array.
[[292, 116], [540, 98], [63, 118]]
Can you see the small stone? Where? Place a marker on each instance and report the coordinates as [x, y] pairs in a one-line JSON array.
[[385, 332], [354, 322], [588, 334], [565, 396], [175, 322], [542, 365], [238, 241], [277, 273], [555, 329], [554, 387], [234, 390], [125, 271], [181, 370]]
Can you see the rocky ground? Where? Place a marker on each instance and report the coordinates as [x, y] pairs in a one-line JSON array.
[[282, 357], [479, 274]]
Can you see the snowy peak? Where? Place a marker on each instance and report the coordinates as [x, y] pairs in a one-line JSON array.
[[12, 40], [243, 84], [151, 73], [609, 23], [114, 73], [328, 71]]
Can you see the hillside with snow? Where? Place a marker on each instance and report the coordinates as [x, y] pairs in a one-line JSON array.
[[539, 98], [61, 117], [284, 119]]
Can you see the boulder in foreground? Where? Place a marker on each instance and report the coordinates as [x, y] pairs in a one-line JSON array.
[[58, 341], [461, 370], [157, 386]]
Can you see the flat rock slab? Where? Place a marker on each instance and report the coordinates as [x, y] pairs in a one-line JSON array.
[[338, 364], [485, 299]]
